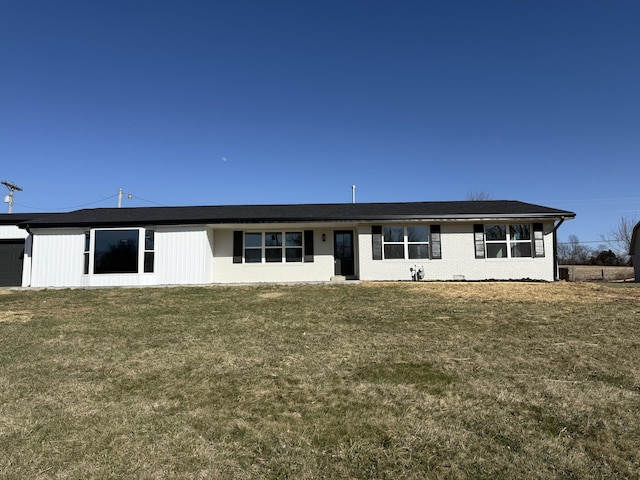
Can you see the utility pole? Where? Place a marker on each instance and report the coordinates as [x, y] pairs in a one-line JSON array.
[[120, 193], [9, 198]]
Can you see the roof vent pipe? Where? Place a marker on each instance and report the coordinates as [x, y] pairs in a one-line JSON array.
[[353, 194]]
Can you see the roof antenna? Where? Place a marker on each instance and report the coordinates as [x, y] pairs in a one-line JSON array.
[[353, 194]]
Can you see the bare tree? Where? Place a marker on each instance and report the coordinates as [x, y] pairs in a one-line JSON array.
[[619, 237], [478, 196], [573, 252]]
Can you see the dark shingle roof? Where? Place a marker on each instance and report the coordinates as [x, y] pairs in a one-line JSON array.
[[17, 218], [110, 217]]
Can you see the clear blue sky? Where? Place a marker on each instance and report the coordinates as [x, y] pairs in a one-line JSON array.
[[206, 102]]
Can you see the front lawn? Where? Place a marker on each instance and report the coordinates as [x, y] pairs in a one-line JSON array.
[[397, 381]]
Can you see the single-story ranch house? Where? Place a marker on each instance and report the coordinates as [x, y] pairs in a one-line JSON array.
[[463, 240]]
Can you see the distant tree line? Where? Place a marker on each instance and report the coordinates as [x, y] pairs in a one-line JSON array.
[[573, 252]]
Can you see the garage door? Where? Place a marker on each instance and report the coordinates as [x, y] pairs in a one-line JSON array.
[[11, 255]]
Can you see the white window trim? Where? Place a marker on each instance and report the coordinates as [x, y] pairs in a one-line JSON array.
[[141, 250], [508, 241], [263, 247], [405, 243]]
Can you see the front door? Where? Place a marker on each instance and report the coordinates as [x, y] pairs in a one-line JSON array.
[[343, 253]]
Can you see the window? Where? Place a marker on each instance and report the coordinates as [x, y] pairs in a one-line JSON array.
[[119, 251], [116, 251], [496, 241], [273, 244], [149, 251], [418, 242], [410, 242], [253, 247], [293, 244], [406, 242], [87, 249], [393, 242], [508, 241], [520, 240], [275, 247]]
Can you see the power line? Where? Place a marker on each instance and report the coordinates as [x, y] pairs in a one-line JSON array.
[[73, 207], [595, 201], [150, 201]]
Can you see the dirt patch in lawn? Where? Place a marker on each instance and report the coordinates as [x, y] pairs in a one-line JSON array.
[[516, 291], [271, 295], [10, 316]]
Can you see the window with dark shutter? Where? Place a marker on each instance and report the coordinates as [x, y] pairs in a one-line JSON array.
[[308, 245], [237, 246], [436, 250], [478, 236], [376, 242], [538, 240]]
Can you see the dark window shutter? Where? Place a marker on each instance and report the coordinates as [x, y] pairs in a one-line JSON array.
[[436, 248], [478, 236], [376, 242], [538, 240], [308, 245], [237, 246]]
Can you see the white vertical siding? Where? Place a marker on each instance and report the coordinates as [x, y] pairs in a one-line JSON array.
[[11, 232], [183, 255], [57, 258]]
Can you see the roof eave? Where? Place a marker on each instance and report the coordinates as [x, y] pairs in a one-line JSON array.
[[303, 219]]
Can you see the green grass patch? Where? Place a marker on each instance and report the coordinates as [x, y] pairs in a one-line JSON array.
[[418, 375]]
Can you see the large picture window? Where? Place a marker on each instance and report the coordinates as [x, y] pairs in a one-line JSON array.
[[116, 251], [119, 251]]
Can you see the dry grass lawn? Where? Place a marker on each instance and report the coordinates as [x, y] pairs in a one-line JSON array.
[[595, 273], [397, 381]]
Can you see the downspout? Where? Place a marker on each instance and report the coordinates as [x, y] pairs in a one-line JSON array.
[[26, 227], [555, 248]]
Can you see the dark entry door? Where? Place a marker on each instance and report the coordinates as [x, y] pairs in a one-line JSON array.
[[343, 253], [11, 255]]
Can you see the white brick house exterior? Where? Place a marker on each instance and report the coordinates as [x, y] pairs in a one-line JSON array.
[[479, 240]]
